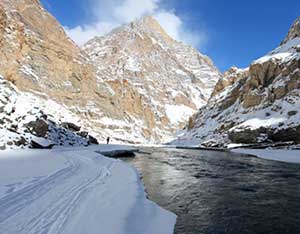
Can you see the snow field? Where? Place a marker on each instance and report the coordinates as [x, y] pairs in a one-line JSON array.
[[76, 191]]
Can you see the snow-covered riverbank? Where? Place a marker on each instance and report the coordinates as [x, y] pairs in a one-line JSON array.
[[76, 191], [282, 155]]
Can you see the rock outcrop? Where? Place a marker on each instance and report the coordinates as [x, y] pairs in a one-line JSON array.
[[255, 105], [36, 53]]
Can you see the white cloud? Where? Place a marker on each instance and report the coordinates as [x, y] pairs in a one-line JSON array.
[[170, 22], [113, 13], [81, 34], [132, 9]]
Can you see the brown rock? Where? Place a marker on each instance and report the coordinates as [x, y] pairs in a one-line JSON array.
[[93, 140], [253, 99], [286, 135], [292, 113], [37, 145], [71, 126], [246, 136], [38, 128]]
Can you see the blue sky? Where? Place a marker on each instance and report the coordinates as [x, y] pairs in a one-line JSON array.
[[231, 32]]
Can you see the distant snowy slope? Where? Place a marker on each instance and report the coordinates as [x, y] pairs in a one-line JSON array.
[[67, 191]]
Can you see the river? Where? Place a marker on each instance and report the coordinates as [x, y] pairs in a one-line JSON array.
[[218, 192]]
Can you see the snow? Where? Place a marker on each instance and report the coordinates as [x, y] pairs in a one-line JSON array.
[[28, 71], [132, 65], [178, 113], [112, 122], [75, 191], [279, 56], [256, 123], [282, 155], [284, 52], [234, 145], [180, 72]]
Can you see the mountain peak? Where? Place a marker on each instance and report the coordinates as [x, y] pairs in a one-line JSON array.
[[149, 22], [293, 32], [151, 25], [151, 79]]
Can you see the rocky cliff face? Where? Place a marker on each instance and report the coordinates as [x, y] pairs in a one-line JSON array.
[[155, 82], [259, 104], [36, 53], [37, 56]]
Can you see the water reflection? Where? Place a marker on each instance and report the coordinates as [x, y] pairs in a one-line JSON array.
[[217, 192]]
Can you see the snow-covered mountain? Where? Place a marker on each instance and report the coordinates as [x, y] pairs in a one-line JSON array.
[[259, 104], [155, 82], [135, 85]]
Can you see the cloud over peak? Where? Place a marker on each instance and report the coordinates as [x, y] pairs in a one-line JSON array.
[[108, 15]]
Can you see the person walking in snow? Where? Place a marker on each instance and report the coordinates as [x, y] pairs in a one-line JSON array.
[[107, 140]]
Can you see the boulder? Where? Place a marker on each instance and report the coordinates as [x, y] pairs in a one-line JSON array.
[[292, 113], [83, 134], [41, 144], [20, 142], [2, 146], [71, 126], [93, 140], [38, 128]]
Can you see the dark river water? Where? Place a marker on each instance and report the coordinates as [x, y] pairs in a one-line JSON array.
[[217, 192]]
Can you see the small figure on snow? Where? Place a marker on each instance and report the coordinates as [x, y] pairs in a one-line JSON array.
[[107, 140]]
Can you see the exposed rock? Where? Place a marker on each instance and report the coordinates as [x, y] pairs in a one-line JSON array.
[[2, 146], [292, 113], [286, 135], [230, 77], [71, 126], [38, 128], [93, 140], [294, 32], [119, 154], [21, 142], [39, 145], [248, 136], [191, 123], [83, 134], [253, 99], [45, 55]]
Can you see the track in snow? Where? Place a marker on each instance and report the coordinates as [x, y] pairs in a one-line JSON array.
[[78, 193]]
